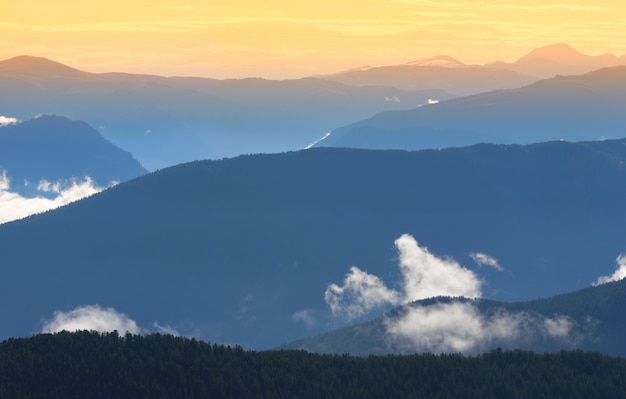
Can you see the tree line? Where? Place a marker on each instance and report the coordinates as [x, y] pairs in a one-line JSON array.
[[87, 364]]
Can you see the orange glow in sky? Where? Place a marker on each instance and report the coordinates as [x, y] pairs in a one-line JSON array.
[[287, 39]]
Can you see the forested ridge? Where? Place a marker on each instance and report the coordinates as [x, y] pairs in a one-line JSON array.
[[93, 365], [198, 240]]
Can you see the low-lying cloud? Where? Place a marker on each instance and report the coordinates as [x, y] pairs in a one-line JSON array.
[[4, 121], [360, 293], [97, 318], [461, 327], [427, 276], [619, 273], [92, 318], [444, 326], [424, 276], [14, 206]]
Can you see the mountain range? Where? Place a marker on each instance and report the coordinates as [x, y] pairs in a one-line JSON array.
[[450, 74], [244, 250], [582, 107], [458, 79], [164, 121]]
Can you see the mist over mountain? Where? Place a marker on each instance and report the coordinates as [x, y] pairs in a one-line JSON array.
[[164, 121], [590, 319], [584, 107], [243, 250], [53, 148]]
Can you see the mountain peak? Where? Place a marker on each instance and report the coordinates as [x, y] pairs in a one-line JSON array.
[[26, 65], [561, 53]]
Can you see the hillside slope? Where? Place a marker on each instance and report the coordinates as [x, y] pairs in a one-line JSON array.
[[590, 319], [585, 107], [242, 250], [53, 148]]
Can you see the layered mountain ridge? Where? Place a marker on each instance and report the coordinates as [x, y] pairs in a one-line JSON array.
[[582, 107], [242, 250]]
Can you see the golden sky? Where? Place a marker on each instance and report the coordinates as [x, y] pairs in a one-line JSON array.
[[293, 38]]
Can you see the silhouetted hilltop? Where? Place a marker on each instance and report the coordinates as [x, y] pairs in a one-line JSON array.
[[559, 59], [53, 147], [38, 68]]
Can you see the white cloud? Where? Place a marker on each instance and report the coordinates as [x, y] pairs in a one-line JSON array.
[[456, 326], [619, 274], [432, 102], [461, 327], [452, 327], [361, 292], [92, 318], [394, 99], [4, 121], [427, 276], [14, 206], [97, 318], [486, 260], [560, 327], [424, 276]]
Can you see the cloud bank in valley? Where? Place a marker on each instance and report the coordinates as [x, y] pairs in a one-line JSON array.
[[97, 318], [444, 326], [619, 273], [14, 206], [462, 327]]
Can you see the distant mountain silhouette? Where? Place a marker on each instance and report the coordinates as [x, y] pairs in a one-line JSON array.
[[597, 309], [585, 107], [461, 80], [450, 74], [233, 251], [53, 148], [164, 121], [39, 68], [559, 59]]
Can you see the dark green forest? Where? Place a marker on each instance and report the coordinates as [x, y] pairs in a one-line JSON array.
[[93, 365]]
